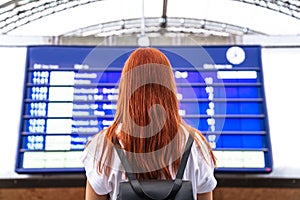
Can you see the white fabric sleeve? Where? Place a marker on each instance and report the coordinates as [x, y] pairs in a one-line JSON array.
[[101, 183], [204, 174], [200, 171], [98, 181]]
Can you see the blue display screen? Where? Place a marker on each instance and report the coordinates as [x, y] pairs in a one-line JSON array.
[[70, 94]]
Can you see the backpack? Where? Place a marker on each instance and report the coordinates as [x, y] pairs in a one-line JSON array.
[[177, 189]]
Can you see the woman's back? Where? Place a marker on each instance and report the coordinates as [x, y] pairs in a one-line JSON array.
[[148, 127]]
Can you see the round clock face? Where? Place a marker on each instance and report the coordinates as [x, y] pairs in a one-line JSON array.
[[235, 55]]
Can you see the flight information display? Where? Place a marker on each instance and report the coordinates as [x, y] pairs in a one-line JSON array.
[[70, 94]]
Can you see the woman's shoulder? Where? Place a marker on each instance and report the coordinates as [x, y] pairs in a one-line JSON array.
[[200, 148], [98, 137], [95, 142]]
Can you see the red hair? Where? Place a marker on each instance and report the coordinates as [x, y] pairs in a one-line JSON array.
[[147, 110]]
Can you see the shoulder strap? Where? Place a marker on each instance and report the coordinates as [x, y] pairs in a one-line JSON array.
[[177, 182], [125, 164], [185, 157]]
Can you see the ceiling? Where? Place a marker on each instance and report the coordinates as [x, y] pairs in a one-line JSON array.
[[116, 17]]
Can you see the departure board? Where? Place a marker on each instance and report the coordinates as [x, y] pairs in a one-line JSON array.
[[70, 94]]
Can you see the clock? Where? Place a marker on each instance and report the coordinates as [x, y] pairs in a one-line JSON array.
[[235, 55]]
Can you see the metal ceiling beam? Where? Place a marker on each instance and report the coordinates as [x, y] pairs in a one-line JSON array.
[[163, 23], [25, 14], [8, 3], [189, 26], [287, 7]]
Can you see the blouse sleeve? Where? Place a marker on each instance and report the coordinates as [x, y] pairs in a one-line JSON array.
[[205, 178], [200, 170], [98, 181]]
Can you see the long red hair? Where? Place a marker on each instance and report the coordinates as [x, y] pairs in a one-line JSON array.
[[147, 111]]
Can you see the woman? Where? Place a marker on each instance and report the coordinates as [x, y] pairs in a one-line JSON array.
[[148, 127]]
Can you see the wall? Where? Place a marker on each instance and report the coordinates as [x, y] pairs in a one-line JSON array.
[[282, 81], [12, 65]]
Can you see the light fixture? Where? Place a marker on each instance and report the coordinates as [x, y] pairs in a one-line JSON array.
[[143, 41], [181, 21]]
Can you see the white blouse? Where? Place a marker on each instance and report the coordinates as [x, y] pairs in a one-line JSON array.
[[198, 170]]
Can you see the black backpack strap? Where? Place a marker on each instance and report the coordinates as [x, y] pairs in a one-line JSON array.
[[185, 157], [125, 164], [135, 184]]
